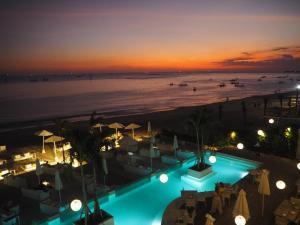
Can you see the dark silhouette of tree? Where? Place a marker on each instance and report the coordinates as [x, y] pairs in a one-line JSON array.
[[198, 120], [244, 109], [266, 100]]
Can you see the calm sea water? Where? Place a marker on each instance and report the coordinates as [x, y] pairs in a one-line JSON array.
[[130, 94]]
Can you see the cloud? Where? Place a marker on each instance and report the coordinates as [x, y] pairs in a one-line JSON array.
[[266, 60]]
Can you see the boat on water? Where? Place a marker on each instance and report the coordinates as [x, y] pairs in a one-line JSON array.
[[259, 79], [171, 84], [221, 85], [183, 85], [239, 85], [194, 89]]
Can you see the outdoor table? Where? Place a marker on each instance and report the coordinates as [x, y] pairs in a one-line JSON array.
[[287, 210]]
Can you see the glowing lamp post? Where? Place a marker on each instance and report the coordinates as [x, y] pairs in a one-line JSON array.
[[261, 133], [271, 121], [212, 159], [163, 178], [240, 146], [240, 220], [280, 185], [76, 205]]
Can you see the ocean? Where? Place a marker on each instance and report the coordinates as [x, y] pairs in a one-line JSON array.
[[127, 94]]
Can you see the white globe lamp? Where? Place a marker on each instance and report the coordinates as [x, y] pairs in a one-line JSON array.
[[163, 178], [76, 205], [271, 121], [261, 133], [240, 220], [212, 159], [298, 166], [280, 185], [240, 146]]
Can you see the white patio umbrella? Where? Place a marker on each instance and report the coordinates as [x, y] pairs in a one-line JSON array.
[[43, 133], [175, 144], [149, 128], [38, 170], [264, 187], [116, 126], [209, 220], [99, 125], [53, 139], [241, 206], [132, 126], [104, 167], [153, 140], [58, 184]]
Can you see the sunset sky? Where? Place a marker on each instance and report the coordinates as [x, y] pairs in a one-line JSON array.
[[143, 35]]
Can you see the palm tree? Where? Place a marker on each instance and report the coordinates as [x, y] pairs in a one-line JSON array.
[[280, 97], [266, 100], [198, 120], [244, 109], [61, 126], [79, 140]]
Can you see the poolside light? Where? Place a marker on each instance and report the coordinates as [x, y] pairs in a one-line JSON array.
[[280, 185], [212, 159], [75, 163], [76, 205], [233, 135], [240, 146], [271, 121], [240, 220], [163, 178], [298, 166], [261, 133], [45, 183], [298, 86]]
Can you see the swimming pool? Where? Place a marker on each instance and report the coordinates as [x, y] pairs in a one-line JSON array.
[[144, 204]]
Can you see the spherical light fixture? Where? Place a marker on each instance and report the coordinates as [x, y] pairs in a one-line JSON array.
[[271, 121], [261, 133], [240, 146], [298, 166], [76, 205], [280, 185], [163, 178], [298, 86], [212, 159], [240, 220]]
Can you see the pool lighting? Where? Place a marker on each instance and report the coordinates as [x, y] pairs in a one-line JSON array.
[[212, 159], [280, 185], [271, 121], [261, 133], [298, 86], [240, 146], [298, 166], [76, 205], [240, 220], [163, 178]]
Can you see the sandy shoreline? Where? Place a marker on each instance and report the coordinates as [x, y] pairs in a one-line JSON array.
[[173, 120]]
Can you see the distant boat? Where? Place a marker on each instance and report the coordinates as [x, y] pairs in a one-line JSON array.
[[171, 84], [263, 77], [183, 85], [239, 85], [194, 89], [221, 85], [259, 79]]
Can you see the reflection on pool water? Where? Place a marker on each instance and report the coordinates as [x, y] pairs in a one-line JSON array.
[[145, 204]]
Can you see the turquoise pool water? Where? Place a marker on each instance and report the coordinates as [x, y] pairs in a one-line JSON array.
[[145, 204]]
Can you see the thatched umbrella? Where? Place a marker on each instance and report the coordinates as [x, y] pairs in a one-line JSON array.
[[116, 126], [99, 125], [43, 133], [53, 139], [132, 126]]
